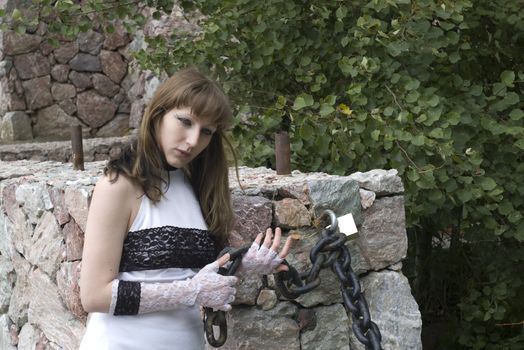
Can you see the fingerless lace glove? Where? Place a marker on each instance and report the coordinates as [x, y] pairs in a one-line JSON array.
[[258, 260], [206, 288]]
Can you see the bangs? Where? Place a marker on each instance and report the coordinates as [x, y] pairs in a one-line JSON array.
[[208, 102]]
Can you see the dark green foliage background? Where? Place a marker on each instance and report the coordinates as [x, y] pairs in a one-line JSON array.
[[433, 89]]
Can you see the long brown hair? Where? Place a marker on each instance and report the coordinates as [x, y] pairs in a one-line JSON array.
[[144, 162]]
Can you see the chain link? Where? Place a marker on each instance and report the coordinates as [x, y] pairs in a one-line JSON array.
[[329, 251]]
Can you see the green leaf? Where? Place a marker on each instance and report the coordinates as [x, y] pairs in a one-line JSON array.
[[326, 109], [413, 96], [389, 111], [454, 57], [375, 134], [516, 114], [487, 183], [299, 103], [418, 140], [507, 77], [519, 144]]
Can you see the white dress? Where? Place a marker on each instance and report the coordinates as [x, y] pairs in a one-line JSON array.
[[166, 242]]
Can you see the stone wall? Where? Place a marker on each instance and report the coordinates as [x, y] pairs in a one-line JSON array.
[[43, 209]]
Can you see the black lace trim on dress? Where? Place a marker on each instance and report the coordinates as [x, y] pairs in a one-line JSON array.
[[167, 246], [128, 298]]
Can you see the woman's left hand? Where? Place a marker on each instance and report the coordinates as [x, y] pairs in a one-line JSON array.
[[265, 259]]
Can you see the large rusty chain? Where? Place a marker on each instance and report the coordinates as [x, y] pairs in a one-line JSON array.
[[329, 251]]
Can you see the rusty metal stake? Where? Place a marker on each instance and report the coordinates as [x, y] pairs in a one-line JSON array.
[[78, 150], [283, 153]]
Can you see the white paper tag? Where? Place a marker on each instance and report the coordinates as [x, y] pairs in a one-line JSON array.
[[346, 225]]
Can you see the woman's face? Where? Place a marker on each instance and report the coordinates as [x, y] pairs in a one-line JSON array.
[[182, 136]]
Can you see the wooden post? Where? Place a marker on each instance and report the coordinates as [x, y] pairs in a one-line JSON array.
[[283, 153], [78, 150]]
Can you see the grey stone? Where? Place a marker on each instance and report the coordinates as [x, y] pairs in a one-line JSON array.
[[5, 333], [16, 126], [47, 247], [331, 331], [59, 208], [29, 337], [38, 92], [90, 42], [5, 67], [382, 237], [47, 312], [60, 72], [104, 85], [7, 281], [7, 246], [117, 39], [151, 85], [53, 122], [10, 100], [382, 182], [84, 62], [93, 109], [137, 111], [82, 81], [19, 302], [267, 299], [113, 65], [367, 198], [256, 329], [31, 65], [338, 194], [247, 290], [22, 231], [62, 92], [16, 44], [34, 200], [118, 126], [68, 106], [66, 52], [393, 309]]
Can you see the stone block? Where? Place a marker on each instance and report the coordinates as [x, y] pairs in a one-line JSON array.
[[16, 44], [65, 52], [90, 42], [47, 247], [74, 241], [267, 299], [338, 194], [60, 72], [7, 281], [393, 309], [56, 195], [34, 199], [6, 341], [118, 126], [331, 330], [53, 122], [16, 126], [113, 65], [62, 91], [68, 286], [31, 65], [291, 213], [382, 182], [77, 203], [95, 110], [7, 246], [81, 81], [105, 86], [38, 92], [19, 302], [253, 215], [47, 312], [29, 337], [382, 237], [250, 328]]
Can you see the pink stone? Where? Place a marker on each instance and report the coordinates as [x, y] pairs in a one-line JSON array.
[[253, 215], [291, 213], [74, 240]]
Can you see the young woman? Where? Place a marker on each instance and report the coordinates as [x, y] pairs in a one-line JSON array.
[[157, 220]]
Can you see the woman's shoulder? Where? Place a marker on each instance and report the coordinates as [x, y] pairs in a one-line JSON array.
[[118, 186]]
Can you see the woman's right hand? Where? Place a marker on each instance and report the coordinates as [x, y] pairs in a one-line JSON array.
[[215, 290]]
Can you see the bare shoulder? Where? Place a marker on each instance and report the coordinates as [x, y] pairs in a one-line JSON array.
[[117, 188]]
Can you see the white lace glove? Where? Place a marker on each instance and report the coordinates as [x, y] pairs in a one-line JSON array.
[[206, 288], [261, 260]]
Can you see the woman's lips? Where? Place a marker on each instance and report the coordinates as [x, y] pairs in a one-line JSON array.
[[182, 154]]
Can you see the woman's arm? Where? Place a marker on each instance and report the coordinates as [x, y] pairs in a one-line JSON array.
[[108, 220]]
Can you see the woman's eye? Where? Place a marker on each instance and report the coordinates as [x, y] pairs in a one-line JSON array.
[[207, 132], [185, 121]]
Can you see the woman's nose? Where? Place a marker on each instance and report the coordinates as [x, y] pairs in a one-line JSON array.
[[192, 137]]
